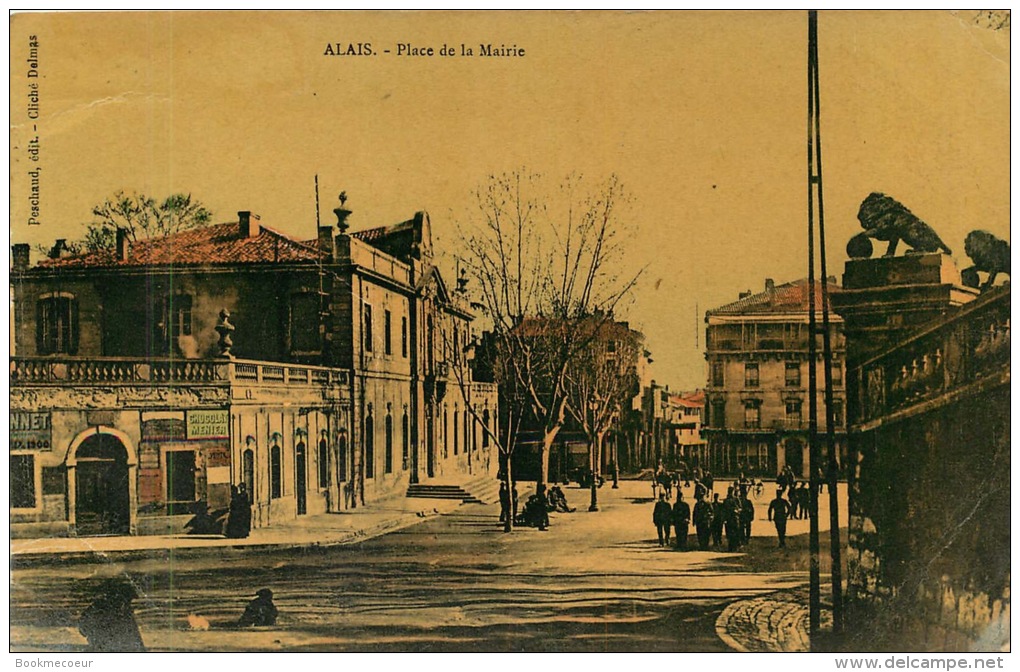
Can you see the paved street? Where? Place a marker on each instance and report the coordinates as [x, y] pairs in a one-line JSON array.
[[594, 582]]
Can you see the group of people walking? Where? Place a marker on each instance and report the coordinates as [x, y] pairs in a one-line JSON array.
[[732, 516]]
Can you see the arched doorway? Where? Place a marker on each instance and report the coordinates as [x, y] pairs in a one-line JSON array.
[[102, 486]]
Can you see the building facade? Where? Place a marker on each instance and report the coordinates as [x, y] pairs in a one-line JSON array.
[[322, 374], [757, 389]]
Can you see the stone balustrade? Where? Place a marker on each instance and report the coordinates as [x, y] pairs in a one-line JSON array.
[[114, 370]]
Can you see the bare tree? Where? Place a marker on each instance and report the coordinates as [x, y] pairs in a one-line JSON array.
[[543, 264], [480, 361], [602, 380]]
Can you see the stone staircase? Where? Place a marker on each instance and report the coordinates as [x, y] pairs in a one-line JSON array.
[[481, 490]]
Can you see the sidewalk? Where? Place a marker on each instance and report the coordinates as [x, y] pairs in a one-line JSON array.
[[328, 529]]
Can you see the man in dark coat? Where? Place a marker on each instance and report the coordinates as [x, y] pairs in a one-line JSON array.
[[239, 517], [718, 520], [109, 622], [681, 520], [731, 509], [703, 522], [779, 509], [260, 611], [746, 518], [662, 517], [504, 501]]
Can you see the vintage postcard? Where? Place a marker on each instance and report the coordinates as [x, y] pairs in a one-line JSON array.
[[558, 331]]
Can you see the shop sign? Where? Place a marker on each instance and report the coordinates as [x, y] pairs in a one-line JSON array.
[[208, 424], [31, 431]]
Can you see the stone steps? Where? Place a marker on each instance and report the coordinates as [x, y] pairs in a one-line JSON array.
[[478, 491]]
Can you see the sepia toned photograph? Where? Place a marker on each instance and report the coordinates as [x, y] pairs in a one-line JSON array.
[[510, 331]]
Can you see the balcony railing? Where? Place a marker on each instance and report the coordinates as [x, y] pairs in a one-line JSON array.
[[119, 370], [971, 346]]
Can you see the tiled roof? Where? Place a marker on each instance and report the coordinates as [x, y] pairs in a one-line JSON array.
[[219, 244], [789, 298], [380, 232]]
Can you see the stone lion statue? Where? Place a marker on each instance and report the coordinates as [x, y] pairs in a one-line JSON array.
[[884, 218], [989, 254]]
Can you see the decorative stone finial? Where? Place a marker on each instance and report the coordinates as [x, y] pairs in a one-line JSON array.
[[342, 214]]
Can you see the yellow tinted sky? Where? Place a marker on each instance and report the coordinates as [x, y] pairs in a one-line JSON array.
[[702, 115]]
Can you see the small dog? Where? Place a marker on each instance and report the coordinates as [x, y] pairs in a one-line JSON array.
[[884, 218]]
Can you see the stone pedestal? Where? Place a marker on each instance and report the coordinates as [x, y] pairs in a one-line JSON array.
[[886, 298]]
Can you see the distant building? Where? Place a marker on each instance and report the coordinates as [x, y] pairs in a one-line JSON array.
[[688, 444], [320, 374], [757, 388]]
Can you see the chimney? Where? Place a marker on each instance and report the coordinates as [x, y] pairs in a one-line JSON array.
[[20, 254], [123, 244], [770, 285], [249, 224], [59, 249], [744, 295], [326, 247]]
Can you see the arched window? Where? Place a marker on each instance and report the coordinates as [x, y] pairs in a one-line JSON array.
[[248, 469], [405, 439], [446, 431], [389, 443], [323, 464], [369, 446], [341, 456], [485, 429], [276, 471], [467, 431]]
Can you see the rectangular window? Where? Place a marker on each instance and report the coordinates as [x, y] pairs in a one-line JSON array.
[[180, 480], [793, 417], [366, 328], [793, 374], [22, 481], [751, 374], [387, 332], [837, 373], [717, 374], [57, 325], [180, 316], [752, 415], [719, 414], [403, 337], [837, 413], [304, 323]]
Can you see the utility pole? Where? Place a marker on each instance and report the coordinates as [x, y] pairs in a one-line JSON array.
[[814, 185], [816, 211]]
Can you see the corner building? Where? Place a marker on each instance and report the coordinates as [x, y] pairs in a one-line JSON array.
[[153, 377], [757, 392]]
